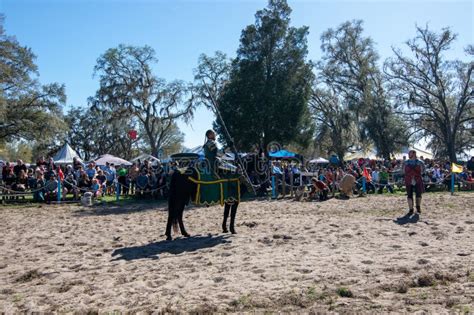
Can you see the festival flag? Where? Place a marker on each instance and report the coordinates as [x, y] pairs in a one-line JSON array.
[[60, 174], [455, 168]]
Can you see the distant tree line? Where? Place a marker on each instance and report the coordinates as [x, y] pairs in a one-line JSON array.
[[269, 93]]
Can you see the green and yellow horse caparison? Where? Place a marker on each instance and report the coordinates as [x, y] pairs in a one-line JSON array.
[[211, 190]]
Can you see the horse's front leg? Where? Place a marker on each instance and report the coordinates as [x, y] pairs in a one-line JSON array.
[[233, 213]]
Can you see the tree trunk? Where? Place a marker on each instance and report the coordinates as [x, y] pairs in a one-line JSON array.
[[451, 150], [340, 155]]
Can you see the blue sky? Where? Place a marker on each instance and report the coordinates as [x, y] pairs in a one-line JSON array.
[[69, 35]]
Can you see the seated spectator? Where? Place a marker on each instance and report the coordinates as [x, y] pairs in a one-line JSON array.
[[78, 172], [96, 188], [133, 173], [76, 164], [48, 173], [90, 171], [31, 178], [20, 166], [470, 165], [469, 181], [153, 183], [110, 175], [383, 181], [9, 179], [142, 182], [38, 188], [436, 176], [84, 183], [70, 186], [102, 179], [320, 188], [51, 188], [447, 180], [69, 171], [21, 183]]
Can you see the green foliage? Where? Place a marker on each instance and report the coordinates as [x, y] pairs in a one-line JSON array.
[[93, 133], [18, 151], [210, 78], [336, 129], [349, 101], [28, 111], [131, 93], [269, 87], [435, 95]]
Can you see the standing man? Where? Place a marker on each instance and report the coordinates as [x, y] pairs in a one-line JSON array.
[[210, 152], [470, 164], [413, 169]]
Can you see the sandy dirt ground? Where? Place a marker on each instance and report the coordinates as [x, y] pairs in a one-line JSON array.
[[340, 256]]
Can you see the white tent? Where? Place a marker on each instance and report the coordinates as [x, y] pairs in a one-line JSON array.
[[319, 160], [112, 160], [146, 157], [66, 155], [197, 150]]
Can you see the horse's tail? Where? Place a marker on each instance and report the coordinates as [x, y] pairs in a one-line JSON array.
[[175, 225]]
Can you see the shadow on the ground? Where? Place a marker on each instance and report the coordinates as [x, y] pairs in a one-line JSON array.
[[407, 218], [126, 207], [177, 246]]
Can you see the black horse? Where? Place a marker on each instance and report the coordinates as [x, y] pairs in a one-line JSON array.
[[181, 191]]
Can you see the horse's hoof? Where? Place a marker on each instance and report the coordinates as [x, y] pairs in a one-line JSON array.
[[186, 235], [233, 231], [224, 229], [169, 238]]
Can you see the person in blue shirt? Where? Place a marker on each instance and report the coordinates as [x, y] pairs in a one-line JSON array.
[[90, 171]]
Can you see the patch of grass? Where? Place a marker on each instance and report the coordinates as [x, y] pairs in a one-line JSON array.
[[402, 287], [311, 293], [451, 301], [424, 296], [398, 287], [242, 302], [344, 292], [17, 298], [301, 298], [294, 298], [445, 278], [470, 275], [404, 270], [462, 309]]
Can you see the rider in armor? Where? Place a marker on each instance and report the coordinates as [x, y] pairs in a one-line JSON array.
[[210, 152]]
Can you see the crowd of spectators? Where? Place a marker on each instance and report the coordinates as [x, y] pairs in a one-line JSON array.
[[376, 175], [146, 180], [45, 180]]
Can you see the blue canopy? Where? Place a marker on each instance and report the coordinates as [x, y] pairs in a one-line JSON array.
[[282, 154]]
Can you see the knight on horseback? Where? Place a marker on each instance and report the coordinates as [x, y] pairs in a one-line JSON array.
[[203, 183]]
